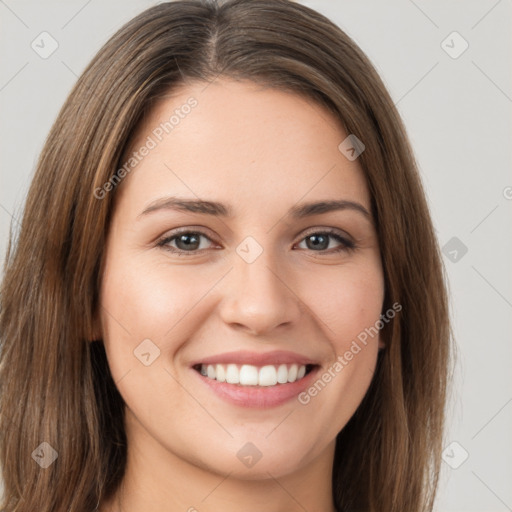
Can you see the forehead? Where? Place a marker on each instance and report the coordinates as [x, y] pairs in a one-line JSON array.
[[231, 140]]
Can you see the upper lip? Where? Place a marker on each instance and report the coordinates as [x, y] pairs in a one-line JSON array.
[[256, 359]]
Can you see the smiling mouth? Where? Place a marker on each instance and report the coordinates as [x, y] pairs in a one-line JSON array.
[[256, 376]]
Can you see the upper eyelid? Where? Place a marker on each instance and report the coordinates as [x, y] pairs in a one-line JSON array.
[[331, 231]]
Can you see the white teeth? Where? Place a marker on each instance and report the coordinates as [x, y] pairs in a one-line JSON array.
[[220, 373], [292, 373], [282, 374], [232, 374], [249, 375], [268, 376]]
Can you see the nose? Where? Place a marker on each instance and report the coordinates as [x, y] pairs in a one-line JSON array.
[[258, 298]]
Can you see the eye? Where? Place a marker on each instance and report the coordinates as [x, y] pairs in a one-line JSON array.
[[188, 241], [320, 241], [184, 241]]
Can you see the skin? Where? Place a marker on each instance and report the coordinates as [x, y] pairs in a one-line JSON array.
[[261, 151]]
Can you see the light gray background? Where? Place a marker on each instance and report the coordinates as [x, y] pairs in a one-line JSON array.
[[458, 115]]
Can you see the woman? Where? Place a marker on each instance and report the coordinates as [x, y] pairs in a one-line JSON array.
[[226, 291]]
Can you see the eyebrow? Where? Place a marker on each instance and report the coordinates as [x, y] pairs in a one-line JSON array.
[[221, 210]]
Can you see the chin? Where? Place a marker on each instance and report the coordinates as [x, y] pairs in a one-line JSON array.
[[250, 460]]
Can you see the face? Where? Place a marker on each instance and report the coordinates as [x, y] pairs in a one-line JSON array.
[[253, 284]]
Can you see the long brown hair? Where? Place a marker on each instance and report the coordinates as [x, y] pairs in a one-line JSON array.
[[55, 385]]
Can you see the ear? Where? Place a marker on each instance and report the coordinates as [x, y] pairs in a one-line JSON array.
[[382, 345]]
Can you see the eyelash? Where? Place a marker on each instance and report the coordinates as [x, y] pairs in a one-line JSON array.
[[346, 245]]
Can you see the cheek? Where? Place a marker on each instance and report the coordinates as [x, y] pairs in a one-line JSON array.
[[148, 301], [144, 297], [348, 303], [346, 300]]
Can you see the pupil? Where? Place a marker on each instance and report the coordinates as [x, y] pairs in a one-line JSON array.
[[189, 241], [318, 241]]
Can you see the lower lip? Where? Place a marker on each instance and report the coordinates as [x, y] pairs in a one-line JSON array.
[[259, 397]]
